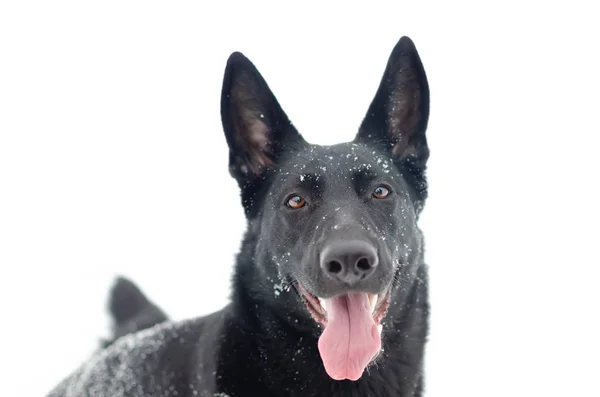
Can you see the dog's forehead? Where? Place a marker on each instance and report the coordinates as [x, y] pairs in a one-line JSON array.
[[340, 161]]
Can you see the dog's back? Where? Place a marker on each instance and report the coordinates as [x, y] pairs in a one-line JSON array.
[[153, 361]]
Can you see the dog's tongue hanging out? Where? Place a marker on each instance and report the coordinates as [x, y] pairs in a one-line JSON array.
[[351, 338]]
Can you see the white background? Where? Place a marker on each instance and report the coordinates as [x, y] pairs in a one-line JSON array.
[[113, 161]]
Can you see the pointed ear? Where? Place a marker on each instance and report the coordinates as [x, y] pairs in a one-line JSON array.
[[258, 131], [397, 118]]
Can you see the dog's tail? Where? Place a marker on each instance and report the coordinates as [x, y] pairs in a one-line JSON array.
[[130, 310]]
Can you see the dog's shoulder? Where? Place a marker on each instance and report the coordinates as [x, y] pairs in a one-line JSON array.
[[153, 362]]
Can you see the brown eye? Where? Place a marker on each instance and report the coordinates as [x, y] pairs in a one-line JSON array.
[[381, 192], [295, 202]]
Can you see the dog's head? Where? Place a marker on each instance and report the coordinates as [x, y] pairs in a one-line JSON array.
[[339, 223]]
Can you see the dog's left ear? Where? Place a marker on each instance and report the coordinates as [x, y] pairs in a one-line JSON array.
[[257, 129], [397, 118]]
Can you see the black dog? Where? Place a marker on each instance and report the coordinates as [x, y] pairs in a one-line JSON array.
[[330, 289]]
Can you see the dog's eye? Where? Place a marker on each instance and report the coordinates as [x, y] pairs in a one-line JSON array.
[[295, 202], [381, 192]]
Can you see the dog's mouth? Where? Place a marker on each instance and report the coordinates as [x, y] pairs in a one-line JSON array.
[[351, 338], [378, 305]]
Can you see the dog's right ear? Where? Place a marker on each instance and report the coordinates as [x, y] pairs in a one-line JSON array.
[[397, 118], [257, 129]]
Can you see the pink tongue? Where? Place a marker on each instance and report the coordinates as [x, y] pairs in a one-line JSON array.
[[350, 339]]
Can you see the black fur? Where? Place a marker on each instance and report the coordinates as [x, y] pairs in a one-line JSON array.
[[131, 310], [264, 343]]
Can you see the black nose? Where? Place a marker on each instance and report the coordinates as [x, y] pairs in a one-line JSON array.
[[349, 261]]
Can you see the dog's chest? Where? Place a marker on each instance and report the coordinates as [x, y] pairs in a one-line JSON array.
[[392, 383]]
